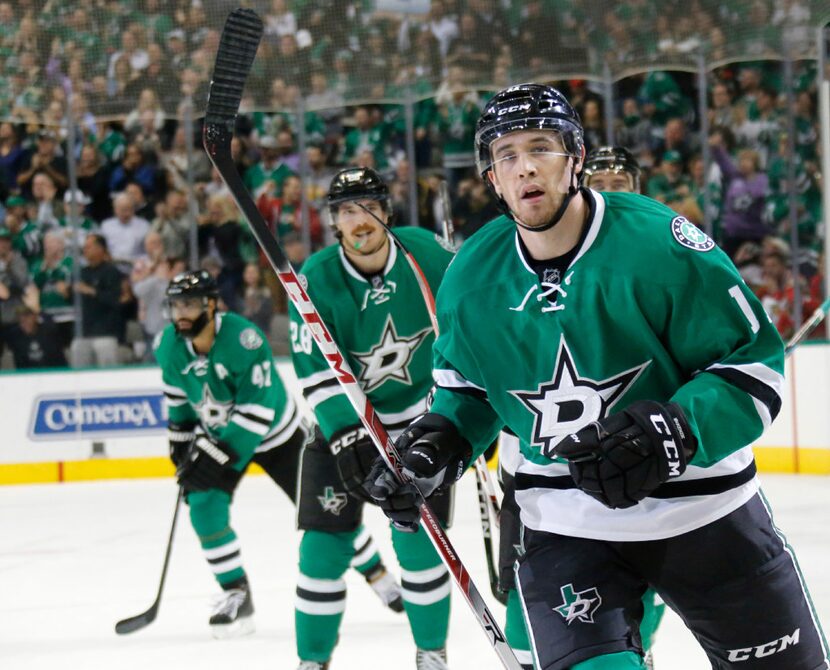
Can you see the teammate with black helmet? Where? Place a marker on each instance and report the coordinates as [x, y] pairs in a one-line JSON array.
[[623, 349], [370, 301], [227, 407], [611, 169]]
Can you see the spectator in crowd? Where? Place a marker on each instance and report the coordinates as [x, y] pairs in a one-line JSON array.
[[175, 161], [280, 20], [475, 207], [134, 168], [100, 289], [675, 138], [745, 195], [284, 214], [45, 195], [93, 180], [271, 167], [220, 236], [148, 101], [721, 112], [14, 277], [669, 185], [441, 26], [34, 341], [124, 233], [26, 237], [52, 274], [365, 136], [172, 223], [458, 111], [776, 291], [256, 298], [144, 209], [44, 160], [12, 154], [130, 53], [149, 282]]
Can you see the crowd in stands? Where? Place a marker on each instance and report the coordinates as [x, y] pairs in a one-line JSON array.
[[123, 73]]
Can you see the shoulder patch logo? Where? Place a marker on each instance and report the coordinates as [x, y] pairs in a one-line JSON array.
[[250, 339], [689, 235], [303, 281]]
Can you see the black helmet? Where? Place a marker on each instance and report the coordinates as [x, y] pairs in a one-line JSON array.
[[193, 283], [613, 159], [526, 107], [357, 183]]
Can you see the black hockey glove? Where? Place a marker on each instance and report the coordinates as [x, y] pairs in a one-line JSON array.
[[621, 459], [208, 465], [354, 453], [433, 455], [180, 436]]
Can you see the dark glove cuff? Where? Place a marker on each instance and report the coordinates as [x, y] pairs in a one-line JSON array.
[[452, 443]]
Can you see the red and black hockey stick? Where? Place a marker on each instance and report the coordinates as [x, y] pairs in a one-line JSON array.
[[139, 621], [237, 49]]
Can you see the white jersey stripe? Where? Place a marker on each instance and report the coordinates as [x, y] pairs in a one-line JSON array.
[[758, 371], [453, 379], [320, 585], [423, 576], [226, 566], [426, 597], [247, 424], [323, 394], [316, 378], [409, 414], [224, 550], [264, 413], [319, 608]]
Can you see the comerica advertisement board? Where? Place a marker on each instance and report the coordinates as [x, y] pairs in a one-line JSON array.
[[97, 415]]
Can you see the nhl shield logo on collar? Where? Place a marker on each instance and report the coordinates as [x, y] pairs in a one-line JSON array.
[[689, 235]]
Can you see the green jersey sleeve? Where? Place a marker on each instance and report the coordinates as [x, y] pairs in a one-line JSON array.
[[459, 392], [318, 381], [723, 340], [179, 409], [259, 393]]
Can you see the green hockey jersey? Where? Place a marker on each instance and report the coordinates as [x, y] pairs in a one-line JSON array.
[[381, 326], [649, 308], [234, 393]]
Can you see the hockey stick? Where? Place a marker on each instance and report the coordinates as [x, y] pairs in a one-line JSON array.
[[139, 621], [808, 326], [486, 493], [237, 49]]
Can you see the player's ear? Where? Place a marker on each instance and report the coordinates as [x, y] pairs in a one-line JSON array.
[[580, 162]]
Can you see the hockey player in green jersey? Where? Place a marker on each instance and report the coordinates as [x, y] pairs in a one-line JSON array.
[[623, 348], [369, 299], [227, 407]]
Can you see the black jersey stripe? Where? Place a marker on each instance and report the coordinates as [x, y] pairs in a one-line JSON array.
[[223, 558], [308, 390], [751, 385], [467, 390], [253, 417], [692, 487], [425, 587], [316, 597]]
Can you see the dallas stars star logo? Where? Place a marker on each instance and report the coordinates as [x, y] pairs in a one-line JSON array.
[[389, 358], [578, 605], [569, 402], [213, 412], [333, 502]]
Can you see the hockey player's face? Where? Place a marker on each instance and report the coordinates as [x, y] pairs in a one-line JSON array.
[[611, 181], [362, 234], [531, 172]]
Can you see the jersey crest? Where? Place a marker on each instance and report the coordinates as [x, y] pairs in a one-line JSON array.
[[213, 413], [389, 358], [380, 292], [569, 401]]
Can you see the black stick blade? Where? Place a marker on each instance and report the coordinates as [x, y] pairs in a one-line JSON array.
[[134, 623], [237, 49]]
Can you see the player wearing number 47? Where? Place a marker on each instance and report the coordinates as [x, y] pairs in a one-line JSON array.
[[622, 347], [227, 407], [369, 299]]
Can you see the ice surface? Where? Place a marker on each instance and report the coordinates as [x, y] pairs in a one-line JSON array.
[[75, 558]]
